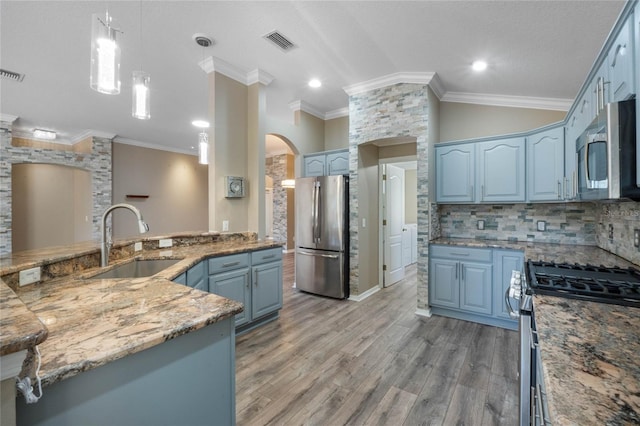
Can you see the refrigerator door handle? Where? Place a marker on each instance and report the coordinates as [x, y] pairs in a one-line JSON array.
[[328, 256], [316, 212]]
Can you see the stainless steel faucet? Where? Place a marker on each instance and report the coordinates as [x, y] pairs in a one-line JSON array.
[[105, 245]]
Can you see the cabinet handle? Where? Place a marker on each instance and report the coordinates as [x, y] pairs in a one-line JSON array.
[[248, 279], [559, 190], [271, 256], [226, 265], [482, 192], [459, 254], [462, 272], [615, 57], [457, 266], [255, 278]]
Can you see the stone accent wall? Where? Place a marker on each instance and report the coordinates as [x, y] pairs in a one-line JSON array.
[[276, 168], [392, 111], [97, 162], [567, 223], [625, 217]]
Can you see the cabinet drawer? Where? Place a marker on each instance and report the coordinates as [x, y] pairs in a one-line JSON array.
[[264, 256], [227, 263], [461, 253]]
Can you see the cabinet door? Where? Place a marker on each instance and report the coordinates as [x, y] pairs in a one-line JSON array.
[[443, 283], [620, 61], [570, 158], [197, 277], [314, 165], [502, 170], [545, 165], [266, 294], [475, 288], [338, 163], [181, 279], [234, 285], [504, 262], [455, 173]]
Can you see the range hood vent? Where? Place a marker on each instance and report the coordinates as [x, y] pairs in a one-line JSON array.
[[10, 75], [279, 40]]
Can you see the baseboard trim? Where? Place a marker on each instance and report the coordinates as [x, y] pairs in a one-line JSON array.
[[423, 313], [361, 297]]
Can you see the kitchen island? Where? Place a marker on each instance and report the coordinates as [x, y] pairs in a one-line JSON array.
[[589, 351], [150, 351]]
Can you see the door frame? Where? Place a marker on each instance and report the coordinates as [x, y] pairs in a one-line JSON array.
[[381, 162]]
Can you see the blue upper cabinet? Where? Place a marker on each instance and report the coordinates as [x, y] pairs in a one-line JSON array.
[[501, 170], [314, 165], [327, 163], [620, 64], [338, 163], [545, 165], [455, 173]]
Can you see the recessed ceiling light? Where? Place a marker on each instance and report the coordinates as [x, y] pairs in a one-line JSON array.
[[201, 124], [479, 66], [315, 83]]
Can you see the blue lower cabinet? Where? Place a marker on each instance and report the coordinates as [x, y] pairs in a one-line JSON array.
[[234, 285], [469, 283]]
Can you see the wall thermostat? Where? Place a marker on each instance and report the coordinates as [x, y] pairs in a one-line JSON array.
[[234, 186]]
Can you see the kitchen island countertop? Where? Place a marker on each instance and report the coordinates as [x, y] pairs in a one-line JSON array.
[[91, 322]]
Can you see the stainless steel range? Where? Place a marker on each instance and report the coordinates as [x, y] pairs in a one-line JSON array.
[[619, 286]]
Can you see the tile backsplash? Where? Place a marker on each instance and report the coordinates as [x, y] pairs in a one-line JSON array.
[[566, 223], [623, 217]]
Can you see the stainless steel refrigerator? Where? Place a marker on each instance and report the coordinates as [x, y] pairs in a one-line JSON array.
[[322, 235]]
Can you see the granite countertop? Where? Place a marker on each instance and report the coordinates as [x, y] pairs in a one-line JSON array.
[[92, 322], [20, 328], [590, 351]]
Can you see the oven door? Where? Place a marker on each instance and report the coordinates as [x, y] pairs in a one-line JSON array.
[[527, 364]]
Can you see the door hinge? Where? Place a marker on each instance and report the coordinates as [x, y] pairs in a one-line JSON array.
[[384, 177], [384, 222], [384, 267]]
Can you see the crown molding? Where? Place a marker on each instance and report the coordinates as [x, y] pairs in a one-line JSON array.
[[554, 104], [8, 118], [28, 134], [213, 64], [306, 107], [389, 80], [337, 113], [259, 76], [140, 144], [91, 134], [437, 86]]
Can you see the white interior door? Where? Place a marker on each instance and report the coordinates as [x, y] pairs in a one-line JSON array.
[[393, 220]]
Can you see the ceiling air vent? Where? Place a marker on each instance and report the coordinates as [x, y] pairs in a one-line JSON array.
[[279, 40], [10, 75]]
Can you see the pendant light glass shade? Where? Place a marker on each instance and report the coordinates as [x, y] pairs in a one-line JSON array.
[[140, 96], [203, 148], [105, 56]]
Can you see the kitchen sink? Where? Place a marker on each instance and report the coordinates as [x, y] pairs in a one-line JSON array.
[[137, 268]]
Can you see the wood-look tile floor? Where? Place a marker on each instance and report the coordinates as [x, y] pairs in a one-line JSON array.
[[333, 362]]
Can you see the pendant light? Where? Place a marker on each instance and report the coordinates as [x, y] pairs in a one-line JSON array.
[[140, 93], [105, 56], [203, 148]]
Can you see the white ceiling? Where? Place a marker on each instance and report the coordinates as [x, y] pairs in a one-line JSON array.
[[535, 49]]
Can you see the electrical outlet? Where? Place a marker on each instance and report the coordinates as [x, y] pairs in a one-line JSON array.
[[542, 225], [480, 224], [636, 238], [610, 232], [167, 242], [225, 225], [29, 276], [137, 246]]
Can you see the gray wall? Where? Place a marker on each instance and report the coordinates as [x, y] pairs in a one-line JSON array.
[[465, 121], [175, 183]]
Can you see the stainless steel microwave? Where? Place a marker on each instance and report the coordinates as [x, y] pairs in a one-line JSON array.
[[607, 155]]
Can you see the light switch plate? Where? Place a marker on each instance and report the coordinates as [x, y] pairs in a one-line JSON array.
[[542, 225], [481, 225], [137, 246], [167, 242], [29, 276], [225, 225]]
